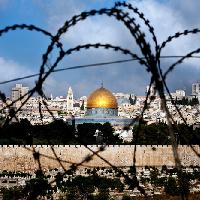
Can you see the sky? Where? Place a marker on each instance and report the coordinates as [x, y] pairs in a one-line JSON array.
[[21, 51]]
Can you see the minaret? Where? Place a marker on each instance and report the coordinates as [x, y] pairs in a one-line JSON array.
[[70, 99]]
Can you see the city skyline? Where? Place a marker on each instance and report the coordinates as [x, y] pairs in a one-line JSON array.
[[126, 76], [193, 91]]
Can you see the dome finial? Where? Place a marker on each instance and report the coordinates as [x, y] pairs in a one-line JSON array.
[[102, 83]]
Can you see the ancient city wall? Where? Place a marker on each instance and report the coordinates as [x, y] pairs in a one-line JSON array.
[[20, 158]]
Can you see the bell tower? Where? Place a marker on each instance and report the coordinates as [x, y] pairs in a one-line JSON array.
[[70, 99]]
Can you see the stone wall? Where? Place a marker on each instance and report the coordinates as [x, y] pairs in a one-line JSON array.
[[20, 158]]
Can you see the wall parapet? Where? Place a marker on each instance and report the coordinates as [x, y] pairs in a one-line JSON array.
[[78, 145]]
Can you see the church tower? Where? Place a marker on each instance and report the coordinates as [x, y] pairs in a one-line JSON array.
[[70, 99]]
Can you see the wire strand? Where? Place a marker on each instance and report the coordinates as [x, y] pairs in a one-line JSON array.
[[85, 66]]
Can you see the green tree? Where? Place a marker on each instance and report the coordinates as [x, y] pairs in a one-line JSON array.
[[37, 187], [86, 132], [126, 197], [184, 183], [12, 193], [108, 134], [152, 134], [164, 169], [57, 132], [103, 195], [171, 187], [131, 100], [72, 193], [194, 101], [82, 105], [154, 176]]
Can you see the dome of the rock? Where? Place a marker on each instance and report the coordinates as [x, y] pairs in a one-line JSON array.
[[101, 98], [102, 102], [102, 107]]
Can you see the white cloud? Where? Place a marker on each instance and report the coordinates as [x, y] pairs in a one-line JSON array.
[[9, 69], [165, 18]]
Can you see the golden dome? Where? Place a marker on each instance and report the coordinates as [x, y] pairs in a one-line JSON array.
[[102, 98]]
